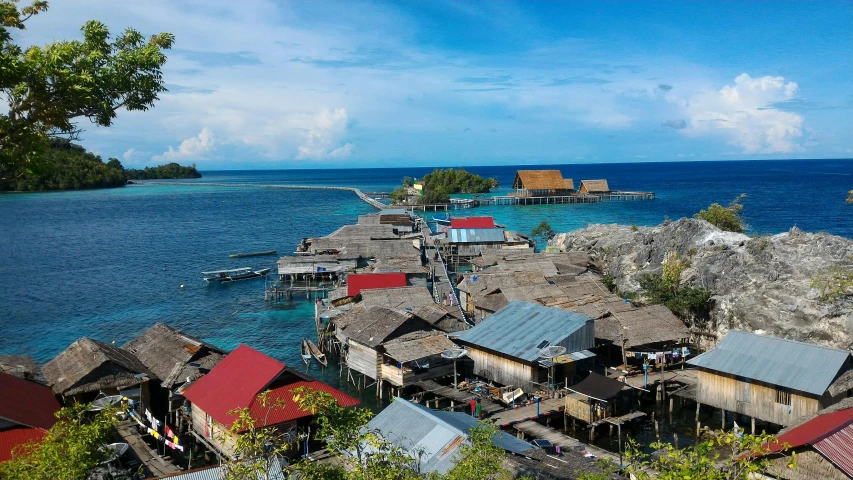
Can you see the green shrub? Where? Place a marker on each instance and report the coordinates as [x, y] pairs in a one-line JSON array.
[[835, 283], [608, 282], [686, 302], [725, 218], [634, 228]]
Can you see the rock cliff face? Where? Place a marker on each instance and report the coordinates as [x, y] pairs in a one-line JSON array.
[[759, 284]]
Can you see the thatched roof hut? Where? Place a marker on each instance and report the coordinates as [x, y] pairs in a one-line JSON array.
[[538, 180], [172, 355], [21, 366], [594, 186], [642, 326], [88, 365]]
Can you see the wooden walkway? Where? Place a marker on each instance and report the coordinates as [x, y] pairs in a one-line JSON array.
[[547, 408], [487, 406], [153, 462], [565, 442]]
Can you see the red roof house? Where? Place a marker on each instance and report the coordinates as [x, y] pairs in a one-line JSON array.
[[235, 383], [472, 222], [27, 411], [830, 435], [357, 282]]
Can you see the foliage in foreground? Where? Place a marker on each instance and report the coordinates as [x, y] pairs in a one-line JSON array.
[[361, 454], [72, 447], [720, 456], [49, 88], [685, 301], [725, 218]]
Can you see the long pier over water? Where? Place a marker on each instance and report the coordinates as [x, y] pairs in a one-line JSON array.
[[454, 205]]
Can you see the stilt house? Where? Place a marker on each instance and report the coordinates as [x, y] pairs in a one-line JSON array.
[[177, 359], [505, 347], [771, 379], [541, 183], [594, 186], [89, 368], [235, 383]]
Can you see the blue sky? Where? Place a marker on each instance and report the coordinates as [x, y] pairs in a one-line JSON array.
[[369, 84]]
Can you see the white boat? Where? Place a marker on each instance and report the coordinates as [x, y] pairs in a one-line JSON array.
[[234, 274]]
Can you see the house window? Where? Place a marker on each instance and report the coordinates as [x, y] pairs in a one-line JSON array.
[[783, 397]]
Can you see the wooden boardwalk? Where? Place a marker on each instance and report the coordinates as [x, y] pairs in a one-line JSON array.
[[463, 397], [551, 406], [565, 442], [156, 464]]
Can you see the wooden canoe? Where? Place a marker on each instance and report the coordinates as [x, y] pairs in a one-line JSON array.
[[316, 353], [306, 351]]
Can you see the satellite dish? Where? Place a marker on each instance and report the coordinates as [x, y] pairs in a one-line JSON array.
[[454, 353], [552, 351], [102, 402]]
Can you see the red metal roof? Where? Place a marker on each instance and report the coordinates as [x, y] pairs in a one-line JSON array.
[[236, 381], [27, 403], [15, 436], [831, 434], [357, 282], [472, 222]]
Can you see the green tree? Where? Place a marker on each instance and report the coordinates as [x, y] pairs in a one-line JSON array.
[[685, 301], [543, 232], [72, 447], [480, 459], [258, 446], [719, 456], [833, 284], [435, 195], [400, 195], [169, 170], [68, 166], [407, 181], [49, 88], [725, 218]]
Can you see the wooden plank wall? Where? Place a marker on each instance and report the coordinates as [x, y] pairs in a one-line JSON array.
[[362, 359], [755, 400], [503, 371], [220, 437]]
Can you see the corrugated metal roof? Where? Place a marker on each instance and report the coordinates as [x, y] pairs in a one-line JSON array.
[[12, 437], [796, 365], [27, 403], [433, 436], [475, 235], [367, 281], [831, 434], [219, 472], [520, 328], [472, 222], [838, 448]]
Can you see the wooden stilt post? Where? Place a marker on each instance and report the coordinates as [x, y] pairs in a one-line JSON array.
[[753, 425], [697, 410], [724, 419]]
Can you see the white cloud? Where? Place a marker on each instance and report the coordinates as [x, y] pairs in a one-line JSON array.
[[323, 139], [193, 148], [746, 114]]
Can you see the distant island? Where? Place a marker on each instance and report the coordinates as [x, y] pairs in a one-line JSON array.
[[436, 187], [70, 167]]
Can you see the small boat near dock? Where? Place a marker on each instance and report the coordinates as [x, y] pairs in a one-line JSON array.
[[313, 351], [445, 220], [234, 275], [306, 352], [253, 254]]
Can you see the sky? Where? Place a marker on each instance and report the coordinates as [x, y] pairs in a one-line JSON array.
[[322, 84]]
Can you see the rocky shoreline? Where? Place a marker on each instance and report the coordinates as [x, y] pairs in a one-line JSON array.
[[760, 284]]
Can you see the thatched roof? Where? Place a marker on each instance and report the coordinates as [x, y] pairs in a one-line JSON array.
[[810, 465], [21, 366], [539, 180], [88, 365], [172, 355], [490, 282], [594, 186], [569, 183], [841, 384], [416, 300], [375, 325], [417, 345], [548, 264], [641, 326]]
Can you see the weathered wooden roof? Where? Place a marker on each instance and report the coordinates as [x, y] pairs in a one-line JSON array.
[[641, 326], [21, 366], [88, 365], [595, 186], [539, 180], [373, 326], [417, 345], [172, 355]]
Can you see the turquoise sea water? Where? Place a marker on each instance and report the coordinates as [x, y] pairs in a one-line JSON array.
[[109, 263]]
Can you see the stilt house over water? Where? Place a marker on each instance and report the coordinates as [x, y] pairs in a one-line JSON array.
[[176, 359], [235, 383], [89, 368], [594, 186], [772, 379], [541, 183], [506, 346]]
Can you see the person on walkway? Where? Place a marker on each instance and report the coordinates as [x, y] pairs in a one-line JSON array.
[[475, 404], [477, 409]]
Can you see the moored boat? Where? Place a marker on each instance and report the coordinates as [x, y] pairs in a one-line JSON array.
[[445, 220], [234, 274], [306, 351], [316, 353], [253, 254]]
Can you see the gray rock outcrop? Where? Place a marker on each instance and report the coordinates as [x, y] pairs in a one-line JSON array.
[[760, 284]]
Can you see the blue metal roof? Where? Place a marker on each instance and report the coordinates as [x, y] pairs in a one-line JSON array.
[[218, 473], [475, 235], [520, 329], [800, 366], [433, 436]]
